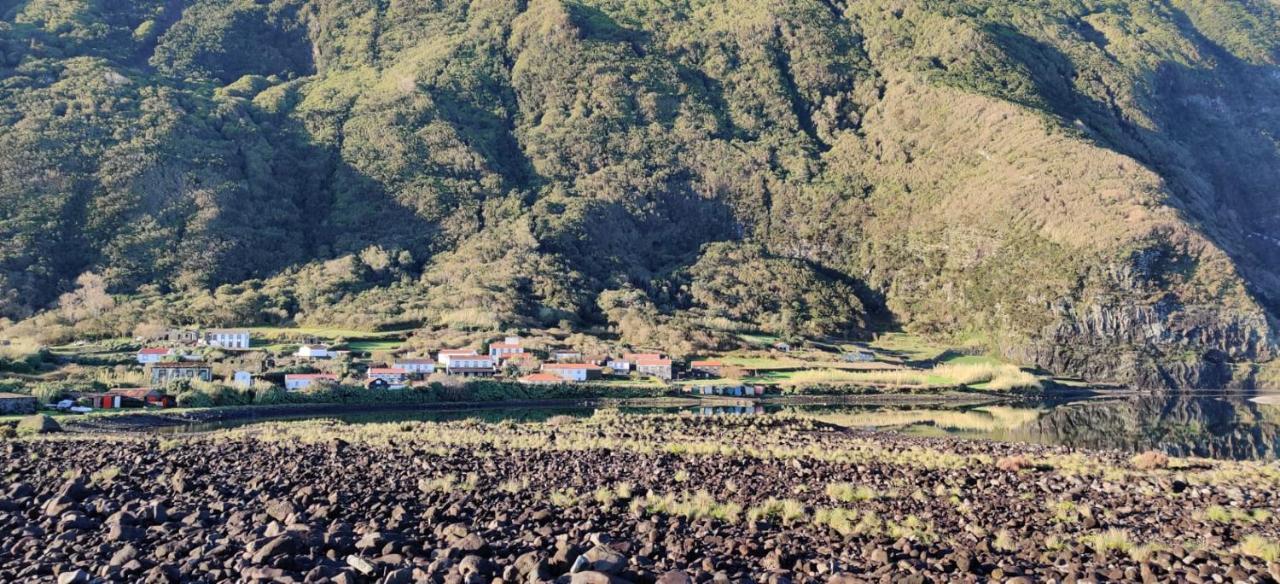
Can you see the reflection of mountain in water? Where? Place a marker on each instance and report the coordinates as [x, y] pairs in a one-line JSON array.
[[1180, 425]]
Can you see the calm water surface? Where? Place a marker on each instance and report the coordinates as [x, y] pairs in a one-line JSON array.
[[1207, 425]]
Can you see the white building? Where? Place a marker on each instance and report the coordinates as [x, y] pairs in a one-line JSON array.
[[298, 381], [573, 371], [470, 365], [227, 338], [150, 355], [242, 379], [313, 352], [445, 355], [416, 366], [619, 365], [503, 350]]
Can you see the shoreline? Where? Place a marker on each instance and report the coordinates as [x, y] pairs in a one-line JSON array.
[[146, 421]]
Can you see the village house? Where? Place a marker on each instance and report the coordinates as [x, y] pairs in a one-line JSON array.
[[618, 365], [445, 355], [504, 350], [149, 355], [470, 366], [227, 338], [660, 368], [541, 379], [566, 355], [184, 336], [313, 352], [707, 368], [16, 403], [386, 377], [163, 373], [416, 366], [297, 381], [573, 371]]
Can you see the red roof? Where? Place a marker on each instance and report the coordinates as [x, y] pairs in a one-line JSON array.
[[542, 378], [386, 371], [570, 366], [706, 364], [651, 361], [641, 356], [155, 351], [415, 361]]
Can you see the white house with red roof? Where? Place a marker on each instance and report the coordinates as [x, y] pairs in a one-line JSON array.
[[149, 355], [297, 381], [393, 377], [573, 371]]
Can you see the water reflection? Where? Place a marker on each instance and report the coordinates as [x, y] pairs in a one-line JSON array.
[[1215, 426], [1184, 425]]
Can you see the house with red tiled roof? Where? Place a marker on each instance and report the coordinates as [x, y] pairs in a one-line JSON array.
[[708, 368], [503, 350], [148, 355], [541, 379], [387, 377]]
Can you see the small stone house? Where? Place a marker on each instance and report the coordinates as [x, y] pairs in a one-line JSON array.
[[660, 368], [16, 403], [164, 373], [573, 371]]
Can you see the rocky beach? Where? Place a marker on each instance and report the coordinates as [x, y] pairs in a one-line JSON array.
[[621, 498]]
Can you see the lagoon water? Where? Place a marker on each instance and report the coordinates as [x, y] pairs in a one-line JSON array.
[[1228, 426]]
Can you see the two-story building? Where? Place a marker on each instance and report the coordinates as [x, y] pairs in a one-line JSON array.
[[299, 381], [149, 355], [164, 373], [227, 338], [416, 366], [660, 368], [470, 366], [504, 350], [573, 371]]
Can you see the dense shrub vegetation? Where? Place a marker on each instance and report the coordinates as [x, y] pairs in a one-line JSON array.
[[1052, 176]]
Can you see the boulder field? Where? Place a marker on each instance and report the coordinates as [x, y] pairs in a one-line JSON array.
[[667, 499]]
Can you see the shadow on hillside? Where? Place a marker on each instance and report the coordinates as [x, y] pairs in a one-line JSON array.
[[1210, 142]]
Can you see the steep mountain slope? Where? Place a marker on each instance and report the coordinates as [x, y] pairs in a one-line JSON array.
[[1082, 185]]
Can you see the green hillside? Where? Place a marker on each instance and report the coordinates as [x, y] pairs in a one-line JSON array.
[[1088, 186]]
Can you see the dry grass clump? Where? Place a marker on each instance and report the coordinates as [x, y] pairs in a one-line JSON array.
[[697, 506], [1150, 460], [1014, 463], [850, 493], [1234, 516], [1108, 541], [785, 511], [1260, 547]]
